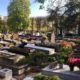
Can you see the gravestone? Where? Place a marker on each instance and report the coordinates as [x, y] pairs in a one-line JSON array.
[[5, 74], [52, 37]]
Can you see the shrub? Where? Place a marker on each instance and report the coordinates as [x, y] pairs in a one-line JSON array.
[[41, 77], [37, 58], [51, 58], [66, 50], [55, 78]]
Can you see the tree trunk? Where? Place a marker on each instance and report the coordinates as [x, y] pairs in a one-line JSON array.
[[78, 30], [61, 33]]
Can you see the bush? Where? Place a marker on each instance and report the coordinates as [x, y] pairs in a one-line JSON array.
[[41, 77], [55, 78], [66, 49], [51, 58], [37, 58]]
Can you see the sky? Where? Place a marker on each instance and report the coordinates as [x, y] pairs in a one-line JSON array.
[[35, 11]]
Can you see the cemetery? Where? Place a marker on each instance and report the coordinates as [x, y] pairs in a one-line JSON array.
[[40, 40], [23, 56]]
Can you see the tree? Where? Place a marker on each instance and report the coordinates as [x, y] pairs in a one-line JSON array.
[[18, 15], [65, 16], [73, 14], [3, 26], [55, 12], [0, 22]]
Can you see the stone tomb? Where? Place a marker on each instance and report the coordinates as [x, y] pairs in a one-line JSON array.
[[10, 60], [50, 51]]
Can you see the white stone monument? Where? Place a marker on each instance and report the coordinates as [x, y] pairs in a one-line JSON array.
[[6, 74], [52, 37], [28, 78]]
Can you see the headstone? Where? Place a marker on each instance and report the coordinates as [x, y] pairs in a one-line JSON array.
[[6, 74], [28, 78], [52, 37]]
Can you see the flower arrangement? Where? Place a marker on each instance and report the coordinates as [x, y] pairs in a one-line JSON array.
[[66, 49], [65, 44]]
